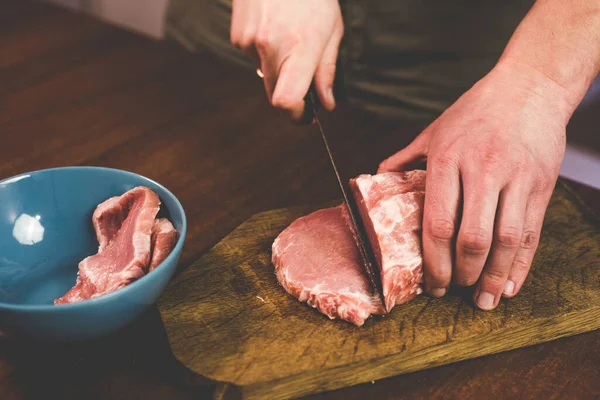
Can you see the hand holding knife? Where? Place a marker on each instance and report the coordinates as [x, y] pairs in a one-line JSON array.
[[364, 246], [311, 106]]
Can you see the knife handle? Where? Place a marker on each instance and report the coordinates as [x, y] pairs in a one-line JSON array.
[[311, 105]]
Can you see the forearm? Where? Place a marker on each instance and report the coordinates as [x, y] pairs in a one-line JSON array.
[[558, 43]]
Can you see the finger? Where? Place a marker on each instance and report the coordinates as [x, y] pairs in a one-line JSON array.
[[269, 71], [413, 154], [244, 24], [475, 235], [267, 49], [295, 76], [238, 12], [442, 196], [507, 237], [536, 210], [325, 73]]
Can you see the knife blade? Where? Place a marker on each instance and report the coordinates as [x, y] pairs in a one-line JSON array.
[[364, 246]]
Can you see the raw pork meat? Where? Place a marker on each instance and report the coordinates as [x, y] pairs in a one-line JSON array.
[[391, 206], [164, 238], [316, 260], [107, 219], [124, 227]]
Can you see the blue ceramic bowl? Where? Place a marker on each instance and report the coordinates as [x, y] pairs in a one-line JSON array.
[[46, 230]]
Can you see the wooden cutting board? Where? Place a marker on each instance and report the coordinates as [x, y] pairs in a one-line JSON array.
[[228, 319]]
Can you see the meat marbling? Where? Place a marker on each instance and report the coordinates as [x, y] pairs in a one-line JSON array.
[[316, 258], [391, 207], [124, 227]]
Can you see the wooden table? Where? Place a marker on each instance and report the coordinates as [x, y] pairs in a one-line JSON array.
[[74, 91]]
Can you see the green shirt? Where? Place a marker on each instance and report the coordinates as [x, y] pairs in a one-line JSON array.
[[407, 59]]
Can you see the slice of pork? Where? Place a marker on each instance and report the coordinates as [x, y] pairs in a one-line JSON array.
[[391, 207], [316, 260], [124, 227]]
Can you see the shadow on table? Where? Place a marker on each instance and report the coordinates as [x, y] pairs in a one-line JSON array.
[[135, 362]]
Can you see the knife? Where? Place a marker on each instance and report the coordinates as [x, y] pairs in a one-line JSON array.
[[364, 247]]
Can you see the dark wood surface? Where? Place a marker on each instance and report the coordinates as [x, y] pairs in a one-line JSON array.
[[74, 91]]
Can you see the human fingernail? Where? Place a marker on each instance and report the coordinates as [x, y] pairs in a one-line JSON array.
[[509, 288], [485, 301], [331, 97], [437, 292]]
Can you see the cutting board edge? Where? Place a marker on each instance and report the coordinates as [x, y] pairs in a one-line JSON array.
[[579, 202], [373, 369]]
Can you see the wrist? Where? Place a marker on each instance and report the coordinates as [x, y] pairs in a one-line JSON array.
[[528, 80]]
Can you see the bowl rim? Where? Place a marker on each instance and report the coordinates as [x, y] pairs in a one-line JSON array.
[[106, 298]]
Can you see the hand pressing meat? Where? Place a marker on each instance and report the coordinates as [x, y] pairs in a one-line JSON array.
[[131, 243], [493, 157], [490, 175], [317, 259]]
